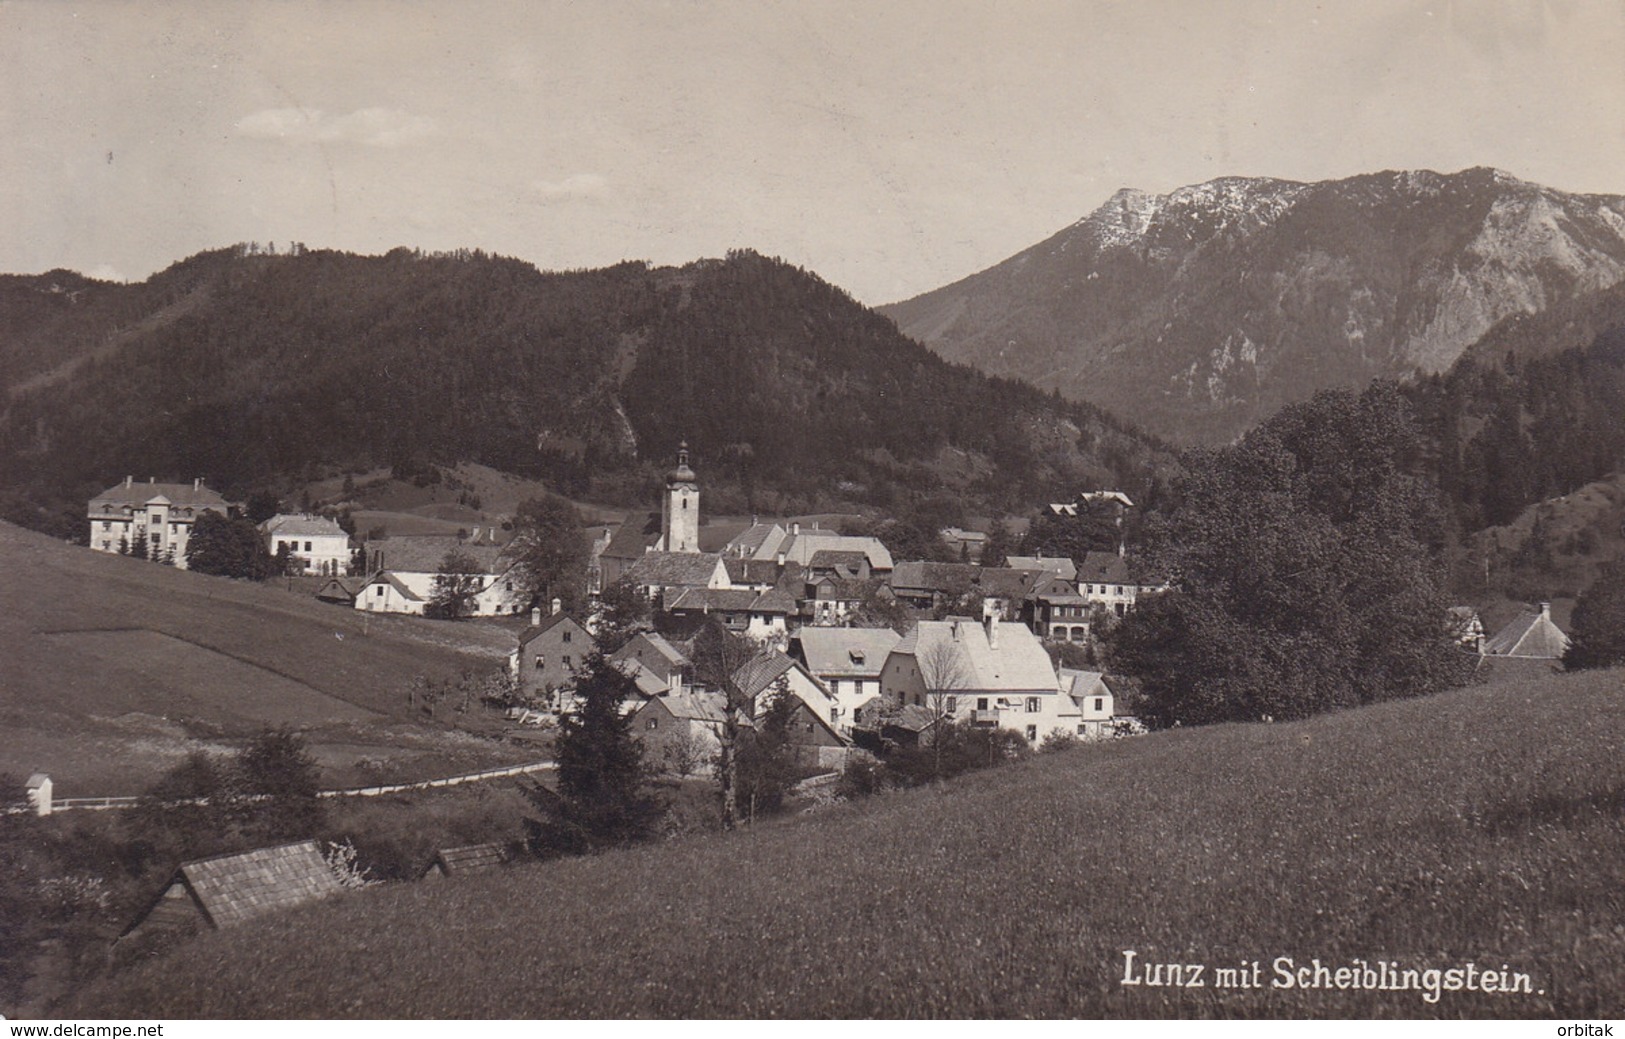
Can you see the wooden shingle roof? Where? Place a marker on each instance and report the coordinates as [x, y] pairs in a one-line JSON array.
[[230, 889]]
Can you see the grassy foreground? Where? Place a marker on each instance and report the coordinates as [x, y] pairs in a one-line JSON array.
[[1483, 826]]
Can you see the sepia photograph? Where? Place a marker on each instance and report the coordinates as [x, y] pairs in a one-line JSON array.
[[671, 510]]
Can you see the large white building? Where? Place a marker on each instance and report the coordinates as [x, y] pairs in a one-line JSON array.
[[157, 515], [404, 571], [314, 543]]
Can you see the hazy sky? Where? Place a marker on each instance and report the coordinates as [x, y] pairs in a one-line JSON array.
[[889, 145]]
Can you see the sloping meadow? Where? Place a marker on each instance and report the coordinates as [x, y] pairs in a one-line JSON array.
[[1484, 827]]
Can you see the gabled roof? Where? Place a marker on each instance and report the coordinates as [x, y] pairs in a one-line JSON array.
[[1529, 635], [1104, 568], [1061, 566], [1018, 663], [673, 656], [758, 541], [705, 599], [800, 548], [633, 537], [385, 577], [830, 558], [673, 569], [340, 588], [846, 652], [230, 889], [696, 706], [549, 622], [424, 553], [922, 577], [761, 671], [648, 683], [302, 526], [1078, 683]]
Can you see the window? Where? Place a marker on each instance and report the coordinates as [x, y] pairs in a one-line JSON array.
[[1100, 703], [1083, 730], [107, 525], [566, 637], [1033, 705], [652, 723], [379, 590], [951, 705], [981, 703], [541, 662], [565, 660], [307, 546], [157, 536], [1032, 734], [1119, 589]]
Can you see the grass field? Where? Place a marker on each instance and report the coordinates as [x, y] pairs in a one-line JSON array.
[[1484, 826], [111, 668]]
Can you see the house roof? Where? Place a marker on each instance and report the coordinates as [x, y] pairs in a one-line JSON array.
[[1061, 566], [649, 683], [830, 558], [846, 652], [385, 577], [658, 642], [758, 541], [634, 536], [800, 548], [751, 571], [1019, 662], [303, 526], [137, 495], [471, 857], [424, 553], [340, 588], [1077, 683], [761, 671], [673, 569], [696, 706], [233, 888], [1104, 567], [920, 577], [1529, 635], [705, 599], [549, 622]]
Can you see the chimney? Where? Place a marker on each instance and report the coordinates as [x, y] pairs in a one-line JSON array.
[[152, 479], [129, 481], [197, 483], [558, 604], [535, 616], [990, 616], [1546, 610], [795, 528], [781, 559], [953, 629]]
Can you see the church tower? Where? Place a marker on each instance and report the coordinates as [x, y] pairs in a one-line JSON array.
[[680, 512]]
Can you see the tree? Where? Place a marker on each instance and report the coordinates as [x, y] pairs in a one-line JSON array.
[[622, 613], [602, 797], [227, 547], [550, 552], [996, 551], [452, 595], [1597, 636], [1069, 537], [1305, 573], [717, 658], [766, 759], [276, 782], [261, 506], [141, 549], [944, 671]]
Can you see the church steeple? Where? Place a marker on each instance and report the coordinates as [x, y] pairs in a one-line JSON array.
[[680, 510]]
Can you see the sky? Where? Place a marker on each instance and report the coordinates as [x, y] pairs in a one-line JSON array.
[[889, 147]]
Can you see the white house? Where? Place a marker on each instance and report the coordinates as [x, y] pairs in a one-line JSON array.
[[158, 515], [1086, 703], [848, 662], [404, 570], [314, 543], [1104, 578], [988, 673]]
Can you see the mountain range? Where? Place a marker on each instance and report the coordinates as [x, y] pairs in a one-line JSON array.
[[256, 369], [1203, 311]]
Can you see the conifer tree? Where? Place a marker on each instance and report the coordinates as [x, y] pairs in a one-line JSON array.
[[603, 798]]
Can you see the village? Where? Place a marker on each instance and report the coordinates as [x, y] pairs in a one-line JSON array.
[[875, 652]]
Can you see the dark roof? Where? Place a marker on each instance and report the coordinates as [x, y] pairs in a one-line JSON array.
[[715, 599], [673, 569], [828, 558], [1529, 635], [423, 554], [1110, 568], [762, 671], [751, 571], [471, 857], [549, 622], [233, 888], [920, 577], [633, 537], [138, 494], [340, 588], [658, 642]]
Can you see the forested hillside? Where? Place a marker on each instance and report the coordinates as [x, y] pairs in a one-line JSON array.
[[251, 368]]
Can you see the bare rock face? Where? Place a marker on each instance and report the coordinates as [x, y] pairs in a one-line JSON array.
[[1200, 312]]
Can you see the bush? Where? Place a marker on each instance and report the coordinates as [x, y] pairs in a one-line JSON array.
[[1597, 638]]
